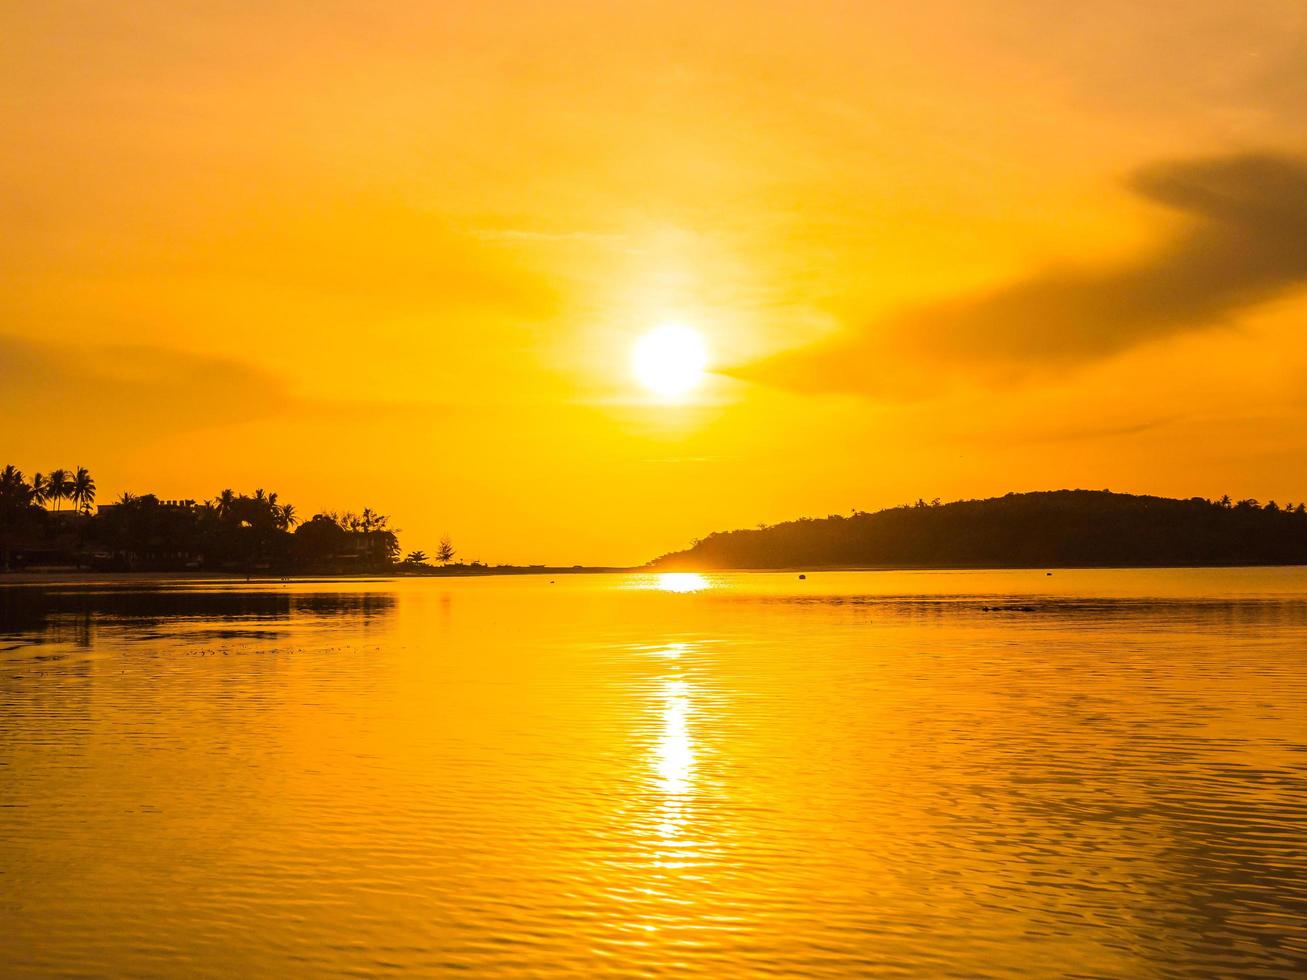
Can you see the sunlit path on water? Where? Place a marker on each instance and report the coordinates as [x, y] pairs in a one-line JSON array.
[[675, 582]]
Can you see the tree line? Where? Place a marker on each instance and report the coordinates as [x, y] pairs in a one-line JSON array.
[[231, 531]]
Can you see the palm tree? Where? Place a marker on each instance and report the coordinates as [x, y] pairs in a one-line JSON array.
[[127, 498], [274, 512], [224, 502], [287, 515], [12, 484], [40, 488], [60, 486], [15, 499], [82, 489], [415, 558]]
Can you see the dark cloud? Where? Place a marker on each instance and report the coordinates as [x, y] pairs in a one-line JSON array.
[[123, 395], [1245, 242]]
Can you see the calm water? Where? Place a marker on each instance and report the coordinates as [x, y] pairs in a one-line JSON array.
[[861, 773]]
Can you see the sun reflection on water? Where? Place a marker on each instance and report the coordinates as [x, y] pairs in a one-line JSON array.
[[672, 651], [672, 763], [681, 582], [674, 752]]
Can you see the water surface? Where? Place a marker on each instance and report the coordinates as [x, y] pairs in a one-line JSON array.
[[1094, 773]]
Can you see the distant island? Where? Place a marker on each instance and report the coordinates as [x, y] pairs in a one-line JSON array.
[[1061, 528]]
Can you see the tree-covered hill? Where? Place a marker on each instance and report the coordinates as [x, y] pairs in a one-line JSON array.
[[1021, 530]]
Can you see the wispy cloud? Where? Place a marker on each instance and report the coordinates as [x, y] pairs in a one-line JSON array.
[[1245, 243]]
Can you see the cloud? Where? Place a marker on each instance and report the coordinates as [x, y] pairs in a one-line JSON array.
[[1245, 242], [56, 391], [117, 397]]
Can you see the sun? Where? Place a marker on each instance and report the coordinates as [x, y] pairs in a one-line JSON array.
[[670, 360]]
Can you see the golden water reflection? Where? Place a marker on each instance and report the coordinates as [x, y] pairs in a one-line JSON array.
[[672, 762], [681, 582], [503, 777], [674, 753]]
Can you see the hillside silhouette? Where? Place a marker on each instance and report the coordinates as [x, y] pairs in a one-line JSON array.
[[1061, 528]]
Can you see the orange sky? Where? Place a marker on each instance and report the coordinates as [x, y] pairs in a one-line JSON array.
[[396, 255]]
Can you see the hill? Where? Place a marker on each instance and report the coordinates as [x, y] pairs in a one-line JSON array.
[[1061, 528]]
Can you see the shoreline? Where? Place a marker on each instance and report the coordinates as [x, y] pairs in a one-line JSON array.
[[81, 577], [84, 577]]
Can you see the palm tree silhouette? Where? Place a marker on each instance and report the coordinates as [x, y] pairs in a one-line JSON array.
[[60, 486], [11, 482], [224, 502], [82, 489], [287, 518], [40, 488]]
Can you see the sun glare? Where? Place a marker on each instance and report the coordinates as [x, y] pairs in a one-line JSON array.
[[681, 582], [669, 360]]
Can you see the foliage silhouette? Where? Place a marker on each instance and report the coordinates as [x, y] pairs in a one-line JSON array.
[[235, 532], [82, 489], [1047, 529], [58, 486]]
